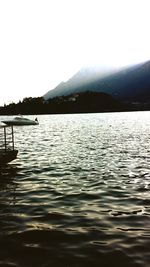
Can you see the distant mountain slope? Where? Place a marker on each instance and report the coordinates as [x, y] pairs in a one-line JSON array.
[[83, 77], [130, 83]]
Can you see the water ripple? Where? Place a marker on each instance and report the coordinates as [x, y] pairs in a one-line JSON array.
[[78, 193]]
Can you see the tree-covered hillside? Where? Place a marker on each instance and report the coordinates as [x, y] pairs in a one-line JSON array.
[[75, 103]]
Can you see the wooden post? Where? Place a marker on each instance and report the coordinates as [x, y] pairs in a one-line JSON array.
[[5, 141], [12, 131]]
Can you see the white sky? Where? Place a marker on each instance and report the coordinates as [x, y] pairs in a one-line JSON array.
[[43, 42]]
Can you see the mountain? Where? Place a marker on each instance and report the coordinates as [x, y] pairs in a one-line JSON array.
[[127, 84], [83, 77]]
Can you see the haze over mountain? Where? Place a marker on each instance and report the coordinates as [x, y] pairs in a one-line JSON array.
[[85, 76], [130, 83], [92, 90]]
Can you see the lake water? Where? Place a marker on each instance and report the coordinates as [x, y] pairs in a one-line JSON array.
[[78, 193]]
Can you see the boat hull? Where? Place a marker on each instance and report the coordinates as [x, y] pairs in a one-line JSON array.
[[20, 123]]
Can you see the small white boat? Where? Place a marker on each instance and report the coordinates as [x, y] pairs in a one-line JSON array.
[[18, 121]]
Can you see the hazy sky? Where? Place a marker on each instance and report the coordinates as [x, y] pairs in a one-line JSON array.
[[43, 42]]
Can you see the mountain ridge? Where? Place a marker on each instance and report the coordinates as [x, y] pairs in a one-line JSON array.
[[125, 84]]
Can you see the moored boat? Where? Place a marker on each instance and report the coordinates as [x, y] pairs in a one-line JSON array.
[[19, 121]]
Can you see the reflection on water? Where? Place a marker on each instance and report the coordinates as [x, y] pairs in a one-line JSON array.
[[8, 173], [78, 193]]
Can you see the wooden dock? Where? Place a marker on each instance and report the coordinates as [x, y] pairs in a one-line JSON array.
[[7, 145]]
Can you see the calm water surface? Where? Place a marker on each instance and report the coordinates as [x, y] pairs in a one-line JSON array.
[[79, 192]]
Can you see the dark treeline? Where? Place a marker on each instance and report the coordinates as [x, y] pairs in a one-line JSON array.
[[86, 102]]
